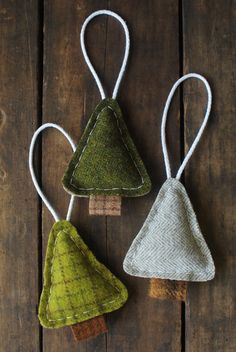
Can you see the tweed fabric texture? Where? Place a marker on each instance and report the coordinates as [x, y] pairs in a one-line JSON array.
[[89, 328], [105, 205], [170, 244], [76, 286], [168, 289], [106, 161]]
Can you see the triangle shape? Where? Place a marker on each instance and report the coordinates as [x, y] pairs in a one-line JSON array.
[[76, 286], [170, 244], [106, 161]]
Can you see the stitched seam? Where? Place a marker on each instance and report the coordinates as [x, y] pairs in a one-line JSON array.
[[87, 311], [106, 189], [146, 272]]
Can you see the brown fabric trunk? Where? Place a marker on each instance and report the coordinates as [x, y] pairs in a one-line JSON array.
[[105, 205], [168, 289], [89, 328]]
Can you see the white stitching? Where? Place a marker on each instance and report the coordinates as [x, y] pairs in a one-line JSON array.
[[87, 311], [105, 189]]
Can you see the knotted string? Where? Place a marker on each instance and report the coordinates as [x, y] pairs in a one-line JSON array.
[[200, 132], [31, 168], [126, 54]]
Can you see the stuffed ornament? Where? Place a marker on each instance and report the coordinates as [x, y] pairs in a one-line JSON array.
[[170, 244], [106, 165], [77, 288]]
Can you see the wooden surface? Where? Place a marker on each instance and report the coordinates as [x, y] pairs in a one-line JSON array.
[[44, 78]]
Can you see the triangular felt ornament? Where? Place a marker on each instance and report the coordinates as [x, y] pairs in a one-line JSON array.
[[106, 161], [76, 286], [170, 244]]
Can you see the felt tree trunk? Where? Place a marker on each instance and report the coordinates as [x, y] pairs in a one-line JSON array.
[[89, 328], [105, 205], [168, 289], [106, 165], [77, 289]]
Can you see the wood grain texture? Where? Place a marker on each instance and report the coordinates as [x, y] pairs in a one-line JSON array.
[[19, 207], [209, 48]]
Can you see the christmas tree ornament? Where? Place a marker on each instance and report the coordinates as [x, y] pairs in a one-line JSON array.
[[77, 288], [170, 244], [106, 165]]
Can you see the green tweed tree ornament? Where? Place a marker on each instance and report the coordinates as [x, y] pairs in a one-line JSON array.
[[77, 288], [106, 165]]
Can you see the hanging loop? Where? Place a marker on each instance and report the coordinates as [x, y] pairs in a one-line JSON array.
[[31, 168], [200, 132], [126, 54]]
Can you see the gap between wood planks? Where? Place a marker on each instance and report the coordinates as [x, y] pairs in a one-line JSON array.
[[40, 57]]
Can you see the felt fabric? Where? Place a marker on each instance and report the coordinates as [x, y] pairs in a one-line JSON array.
[[168, 289], [76, 286], [106, 161], [105, 205], [89, 328], [170, 244]]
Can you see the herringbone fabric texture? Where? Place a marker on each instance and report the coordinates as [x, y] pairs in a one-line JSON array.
[[170, 244]]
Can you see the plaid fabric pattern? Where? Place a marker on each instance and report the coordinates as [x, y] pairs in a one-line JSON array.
[[105, 205], [89, 328], [168, 289], [76, 286]]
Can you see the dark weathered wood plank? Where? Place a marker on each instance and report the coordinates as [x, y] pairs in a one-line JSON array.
[[144, 324], [19, 328], [70, 96], [209, 48]]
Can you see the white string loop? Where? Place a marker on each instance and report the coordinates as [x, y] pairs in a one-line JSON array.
[[31, 168], [126, 54], [199, 134]]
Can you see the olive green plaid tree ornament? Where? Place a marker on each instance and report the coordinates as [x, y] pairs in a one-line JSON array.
[[106, 165], [77, 288]]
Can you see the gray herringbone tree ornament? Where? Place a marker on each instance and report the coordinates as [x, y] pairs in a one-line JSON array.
[[170, 244]]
